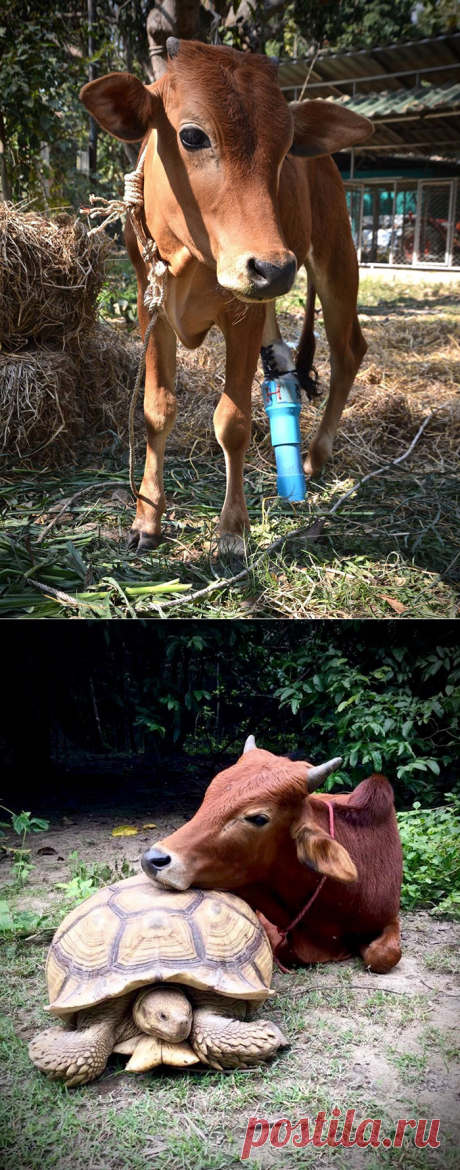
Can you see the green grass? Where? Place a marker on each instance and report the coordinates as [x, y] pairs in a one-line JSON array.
[[379, 556], [391, 550], [446, 960], [173, 1120]]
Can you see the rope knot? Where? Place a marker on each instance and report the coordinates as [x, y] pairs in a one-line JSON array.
[[134, 189]]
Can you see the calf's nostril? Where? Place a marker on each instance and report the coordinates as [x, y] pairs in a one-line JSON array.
[[271, 277], [154, 859], [260, 272]]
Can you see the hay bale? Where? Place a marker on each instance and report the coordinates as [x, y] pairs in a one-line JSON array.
[[109, 363], [51, 399], [40, 410], [51, 272]]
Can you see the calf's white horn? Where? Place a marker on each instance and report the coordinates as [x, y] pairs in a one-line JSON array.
[[249, 745], [316, 776]]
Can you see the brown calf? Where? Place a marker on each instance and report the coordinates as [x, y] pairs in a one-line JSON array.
[[239, 192], [260, 833]]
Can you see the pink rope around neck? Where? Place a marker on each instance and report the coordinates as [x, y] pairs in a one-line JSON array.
[[306, 908]]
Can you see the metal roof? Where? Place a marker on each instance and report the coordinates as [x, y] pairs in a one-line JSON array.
[[410, 90], [387, 106], [375, 68]]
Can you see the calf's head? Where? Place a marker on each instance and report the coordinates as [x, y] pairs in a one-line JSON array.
[[223, 130], [255, 816]]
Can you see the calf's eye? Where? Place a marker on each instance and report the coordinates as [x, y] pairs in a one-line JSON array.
[[258, 819], [193, 138]]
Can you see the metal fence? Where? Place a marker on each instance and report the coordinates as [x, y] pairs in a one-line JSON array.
[[406, 222]]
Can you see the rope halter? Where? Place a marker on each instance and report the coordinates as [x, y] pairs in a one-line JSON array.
[[132, 204]]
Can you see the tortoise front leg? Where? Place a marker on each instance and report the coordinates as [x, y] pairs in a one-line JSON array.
[[80, 1056], [222, 1041]]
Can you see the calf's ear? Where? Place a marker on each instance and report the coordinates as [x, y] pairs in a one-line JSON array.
[[321, 852], [322, 128], [122, 105]]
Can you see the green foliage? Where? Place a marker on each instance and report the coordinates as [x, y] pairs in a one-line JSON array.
[[384, 695], [36, 73], [17, 923], [435, 17], [87, 878], [354, 24], [119, 293], [22, 823], [351, 24], [43, 64], [386, 717], [431, 848]]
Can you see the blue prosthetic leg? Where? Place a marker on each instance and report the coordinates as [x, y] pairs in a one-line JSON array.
[[282, 401]]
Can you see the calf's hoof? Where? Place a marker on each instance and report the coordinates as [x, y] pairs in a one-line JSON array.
[[229, 555], [231, 546], [318, 454], [142, 542]]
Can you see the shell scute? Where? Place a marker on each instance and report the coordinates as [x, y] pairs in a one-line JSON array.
[[132, 933]]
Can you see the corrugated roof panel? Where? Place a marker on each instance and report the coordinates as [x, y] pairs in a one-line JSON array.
[[414, 55], [405, 102]]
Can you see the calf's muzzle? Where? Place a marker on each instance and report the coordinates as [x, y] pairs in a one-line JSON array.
[[154, 860]]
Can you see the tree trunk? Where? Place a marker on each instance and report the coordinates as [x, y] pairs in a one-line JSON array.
[[93, 127], [7, 192], [171, 18]]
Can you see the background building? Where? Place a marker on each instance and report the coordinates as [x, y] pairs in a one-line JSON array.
[[403, 187]]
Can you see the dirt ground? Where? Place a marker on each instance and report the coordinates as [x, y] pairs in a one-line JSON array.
[[387, 1046]]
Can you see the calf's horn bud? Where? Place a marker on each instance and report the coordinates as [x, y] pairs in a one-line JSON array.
[[316, 776], [249, 745], [172, 46]]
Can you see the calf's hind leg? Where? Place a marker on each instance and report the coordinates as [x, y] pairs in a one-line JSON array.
[[385, 951], [337, 289]]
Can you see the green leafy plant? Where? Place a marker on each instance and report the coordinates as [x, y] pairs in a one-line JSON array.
[[87, 878], [431, 848], [22, 823], [17, 923], [391, 717]]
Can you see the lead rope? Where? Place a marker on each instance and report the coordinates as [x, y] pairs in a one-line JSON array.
[[111, 209], [284, 933]]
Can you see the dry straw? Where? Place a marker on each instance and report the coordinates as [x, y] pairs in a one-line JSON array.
[[411, 369], [64, 377], [60, 369], [51, 273], [50, 399]]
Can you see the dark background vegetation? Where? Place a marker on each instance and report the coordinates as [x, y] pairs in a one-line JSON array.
[[48, 51], [98, 710]]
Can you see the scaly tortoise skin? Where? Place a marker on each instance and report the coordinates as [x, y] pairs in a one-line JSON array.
[[117, 971]]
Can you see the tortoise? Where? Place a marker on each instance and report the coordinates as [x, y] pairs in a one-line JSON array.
[[163, 976]]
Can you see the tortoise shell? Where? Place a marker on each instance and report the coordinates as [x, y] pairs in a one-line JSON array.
[[132, 933]]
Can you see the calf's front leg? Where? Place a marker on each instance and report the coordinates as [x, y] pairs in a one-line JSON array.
[[232, 417], [160, 413]]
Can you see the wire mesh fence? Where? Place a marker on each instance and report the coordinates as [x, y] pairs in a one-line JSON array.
[[406, 222]]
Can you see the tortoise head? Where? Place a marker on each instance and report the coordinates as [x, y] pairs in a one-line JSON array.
[[164, 1012]]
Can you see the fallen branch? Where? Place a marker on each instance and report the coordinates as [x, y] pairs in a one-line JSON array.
[[371, 987], [381, 470], [225, 582], [91, 487]]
